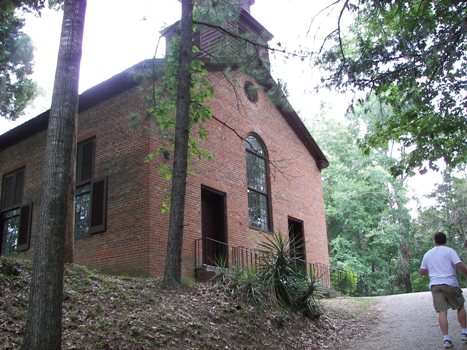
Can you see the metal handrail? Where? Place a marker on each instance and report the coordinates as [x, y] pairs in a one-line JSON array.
[[239, 257], [208, 250]]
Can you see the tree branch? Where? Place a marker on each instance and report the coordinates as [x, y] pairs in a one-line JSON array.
[[255, 43]]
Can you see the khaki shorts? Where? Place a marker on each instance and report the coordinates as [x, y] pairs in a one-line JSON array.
[[445, 297]]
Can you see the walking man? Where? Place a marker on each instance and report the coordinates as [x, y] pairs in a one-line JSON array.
[[440, 264]]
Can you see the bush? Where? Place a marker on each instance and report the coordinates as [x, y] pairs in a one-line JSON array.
[[285, 278], [345, 281], [281, 281], [246, 285]]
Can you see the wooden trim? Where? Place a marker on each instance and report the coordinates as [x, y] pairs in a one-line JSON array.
[[24, 234], [267, 170], [16, 197], [79, 160], [98, 219]]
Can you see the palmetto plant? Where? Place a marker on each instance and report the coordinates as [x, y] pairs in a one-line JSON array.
[[248, 286], [284, 276], [223, 273], [281, 280]]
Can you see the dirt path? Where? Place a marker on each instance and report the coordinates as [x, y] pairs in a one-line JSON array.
[[408, 321]]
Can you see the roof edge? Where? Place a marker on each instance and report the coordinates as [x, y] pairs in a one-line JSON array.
[[133, 76], [89, 98], [279, 99]]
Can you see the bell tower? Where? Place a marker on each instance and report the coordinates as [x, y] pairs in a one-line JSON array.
[[239, 39]]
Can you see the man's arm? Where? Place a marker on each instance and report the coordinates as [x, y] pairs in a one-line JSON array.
[[423, 267], [461, 267]]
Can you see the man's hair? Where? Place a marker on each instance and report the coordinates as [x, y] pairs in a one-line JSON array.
[[440, 238]]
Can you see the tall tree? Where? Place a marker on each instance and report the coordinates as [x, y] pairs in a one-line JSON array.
[[16, 55], [172, 272], [447, 214], [368, 114], [451, 203], [367, 221], [17, 89], [413, 55], [43, 327]]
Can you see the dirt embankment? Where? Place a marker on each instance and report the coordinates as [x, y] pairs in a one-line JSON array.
[[108, 312]]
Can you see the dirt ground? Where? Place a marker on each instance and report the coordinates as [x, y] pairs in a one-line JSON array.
[[109, 312]]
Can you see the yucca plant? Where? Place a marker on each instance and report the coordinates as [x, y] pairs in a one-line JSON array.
[[275, 266], [282, 279], [240, 283], [302, 294], [222, 269], [285, 278], [247, 286]]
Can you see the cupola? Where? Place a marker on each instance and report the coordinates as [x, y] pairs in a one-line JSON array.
[[237, 38]]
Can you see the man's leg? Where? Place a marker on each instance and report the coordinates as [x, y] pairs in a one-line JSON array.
[[461, 316], [443, 321]]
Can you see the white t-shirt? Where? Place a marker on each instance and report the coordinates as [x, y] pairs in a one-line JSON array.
[[440, 261]]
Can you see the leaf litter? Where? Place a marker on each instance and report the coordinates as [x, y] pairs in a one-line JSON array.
[[116, 312]]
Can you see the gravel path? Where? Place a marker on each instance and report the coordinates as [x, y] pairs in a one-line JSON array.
[[408, 321]]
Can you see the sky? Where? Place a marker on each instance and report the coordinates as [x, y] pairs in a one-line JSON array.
[[121, 33], [117, 36]]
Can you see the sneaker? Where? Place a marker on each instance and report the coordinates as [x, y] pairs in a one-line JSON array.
[[463, 337], [447, 343]]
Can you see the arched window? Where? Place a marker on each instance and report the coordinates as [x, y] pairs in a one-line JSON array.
[[258, 184]]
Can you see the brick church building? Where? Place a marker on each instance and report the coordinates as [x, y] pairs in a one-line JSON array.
[[264, 177]]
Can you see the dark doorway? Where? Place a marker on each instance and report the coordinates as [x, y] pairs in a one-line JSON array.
[[214, 227], [297, 238]]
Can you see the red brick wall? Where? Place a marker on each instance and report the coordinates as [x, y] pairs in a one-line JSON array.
[[27, 154], [296, 188], [136, 236], [120, 152]]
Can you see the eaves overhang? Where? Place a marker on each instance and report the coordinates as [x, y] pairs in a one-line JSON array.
[[132, 77], [117, 84]]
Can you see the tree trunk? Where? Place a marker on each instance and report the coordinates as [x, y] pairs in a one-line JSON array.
[[403, 267], [70, 222], [43, 326], [173, 268]]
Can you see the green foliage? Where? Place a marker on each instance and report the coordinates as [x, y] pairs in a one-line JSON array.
[[365, 207], [284, 277], [413, 56], [281, 280], [448, 215], [165, 205], [222, 270], [248, 286], [218, 12], [34, 6], [345, 281], [163, 112], [16, 56], [244, 284], [451, 206], [369, 228]]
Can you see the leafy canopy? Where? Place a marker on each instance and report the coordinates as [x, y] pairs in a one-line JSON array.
[[16, 56], [447, 214], [163, 111], [366, 213], [412, 54]]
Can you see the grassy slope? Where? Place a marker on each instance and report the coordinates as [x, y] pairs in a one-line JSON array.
[[109, 312]]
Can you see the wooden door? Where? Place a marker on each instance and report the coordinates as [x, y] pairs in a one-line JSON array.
[[214, 227], [297, 238]]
